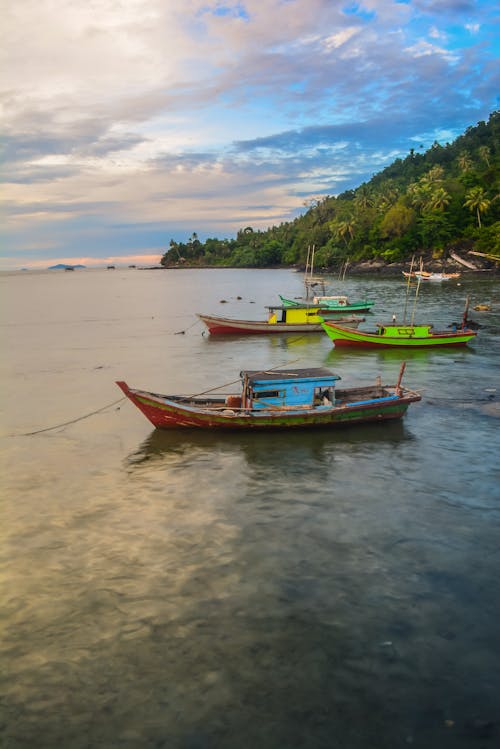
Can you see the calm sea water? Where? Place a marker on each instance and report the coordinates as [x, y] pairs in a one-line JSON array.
[[204, 591]]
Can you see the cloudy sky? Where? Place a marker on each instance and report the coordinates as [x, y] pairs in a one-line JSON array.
[[131, 122]]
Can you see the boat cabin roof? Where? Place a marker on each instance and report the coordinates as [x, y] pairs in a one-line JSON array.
[[281, 375], [288, 307], [403, 329]]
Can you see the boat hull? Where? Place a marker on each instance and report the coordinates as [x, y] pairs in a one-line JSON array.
[[330, 307], [170, 412], [342, 336], [435, 277], [227, 326]]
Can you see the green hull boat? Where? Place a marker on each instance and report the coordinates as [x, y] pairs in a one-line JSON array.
[[331, 303], [391, 336]]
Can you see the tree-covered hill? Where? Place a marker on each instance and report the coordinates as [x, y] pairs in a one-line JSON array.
[[426, 204]]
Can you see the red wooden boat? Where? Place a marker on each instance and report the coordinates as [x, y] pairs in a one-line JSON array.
[[300, 319], [277, 399]]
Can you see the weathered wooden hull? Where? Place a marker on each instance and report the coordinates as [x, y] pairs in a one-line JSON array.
[[435, 277], [227, 326], [342, 336], [167, 412]]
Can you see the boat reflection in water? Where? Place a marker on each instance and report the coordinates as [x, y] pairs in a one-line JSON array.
[[261, 449]]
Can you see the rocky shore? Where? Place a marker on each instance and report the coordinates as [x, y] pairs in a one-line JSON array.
[[466, 264]]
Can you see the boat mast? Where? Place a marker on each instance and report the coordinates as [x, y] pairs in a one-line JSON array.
[[415, 302], [308, 279], [466, 312], [401, 372], [408, 288]]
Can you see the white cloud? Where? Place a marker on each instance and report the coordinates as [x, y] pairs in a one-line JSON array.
[[341, 37], [130, 111], [436, 33], [425, 49]]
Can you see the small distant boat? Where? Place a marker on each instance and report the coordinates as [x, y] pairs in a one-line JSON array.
[[332, 303], [296, 319], [427, 276], [483, 307], [277, 399], [394, 335]]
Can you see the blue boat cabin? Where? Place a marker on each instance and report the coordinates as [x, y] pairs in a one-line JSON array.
[[288, 388]]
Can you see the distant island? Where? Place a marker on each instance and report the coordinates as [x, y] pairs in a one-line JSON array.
[[63, 266]]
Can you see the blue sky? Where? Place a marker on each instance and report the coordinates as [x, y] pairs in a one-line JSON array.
[[129, 124]]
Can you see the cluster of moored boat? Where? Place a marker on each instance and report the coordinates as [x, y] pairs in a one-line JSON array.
[[336, 316], [291, 398]]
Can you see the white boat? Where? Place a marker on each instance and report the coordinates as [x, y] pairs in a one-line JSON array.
[[427, 276]]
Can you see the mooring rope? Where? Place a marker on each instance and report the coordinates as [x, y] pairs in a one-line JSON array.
[[227, 384], [72, 421], [114, 403], [182, 332]]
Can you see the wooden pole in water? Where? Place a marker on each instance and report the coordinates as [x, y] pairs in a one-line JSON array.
[[307, 259], [466, 312], [401, 372], [408, 287], [415, 302]]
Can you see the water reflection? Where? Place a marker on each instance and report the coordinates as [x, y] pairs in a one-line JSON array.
[[198, 590], [341, 354], [273, 341], [262, 448]]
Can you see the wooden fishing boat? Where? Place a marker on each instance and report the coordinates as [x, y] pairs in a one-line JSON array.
[[428, 276], [339, 304], [281, 319], [277, 399], [392, 335]]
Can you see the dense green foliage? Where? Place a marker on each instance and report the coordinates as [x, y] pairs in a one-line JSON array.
[[443, 199]]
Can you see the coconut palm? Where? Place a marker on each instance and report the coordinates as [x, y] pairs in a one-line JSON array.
[[419, 194], [364, 197], [485, 154], [438, 200], [433, 176], [476, 200], [387, 197], [465, 161], [343, 229]]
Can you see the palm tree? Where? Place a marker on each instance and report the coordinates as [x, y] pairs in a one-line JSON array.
[[476, 200], [420, 194], [343, 229], [387, 197], [438, 200], [364, 197], [485, 154], [465, 161], [433, 176]]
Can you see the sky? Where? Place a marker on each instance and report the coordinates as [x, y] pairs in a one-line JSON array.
[[128, 123]]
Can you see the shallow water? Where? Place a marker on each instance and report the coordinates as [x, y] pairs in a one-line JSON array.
[[205, 591]]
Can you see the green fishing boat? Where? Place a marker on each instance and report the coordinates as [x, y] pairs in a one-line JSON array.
[[392, 335], [331, 303]]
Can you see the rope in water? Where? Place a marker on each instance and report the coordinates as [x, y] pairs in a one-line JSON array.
[[182, 332], [114, 403], [72, 421], [227, 384]]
